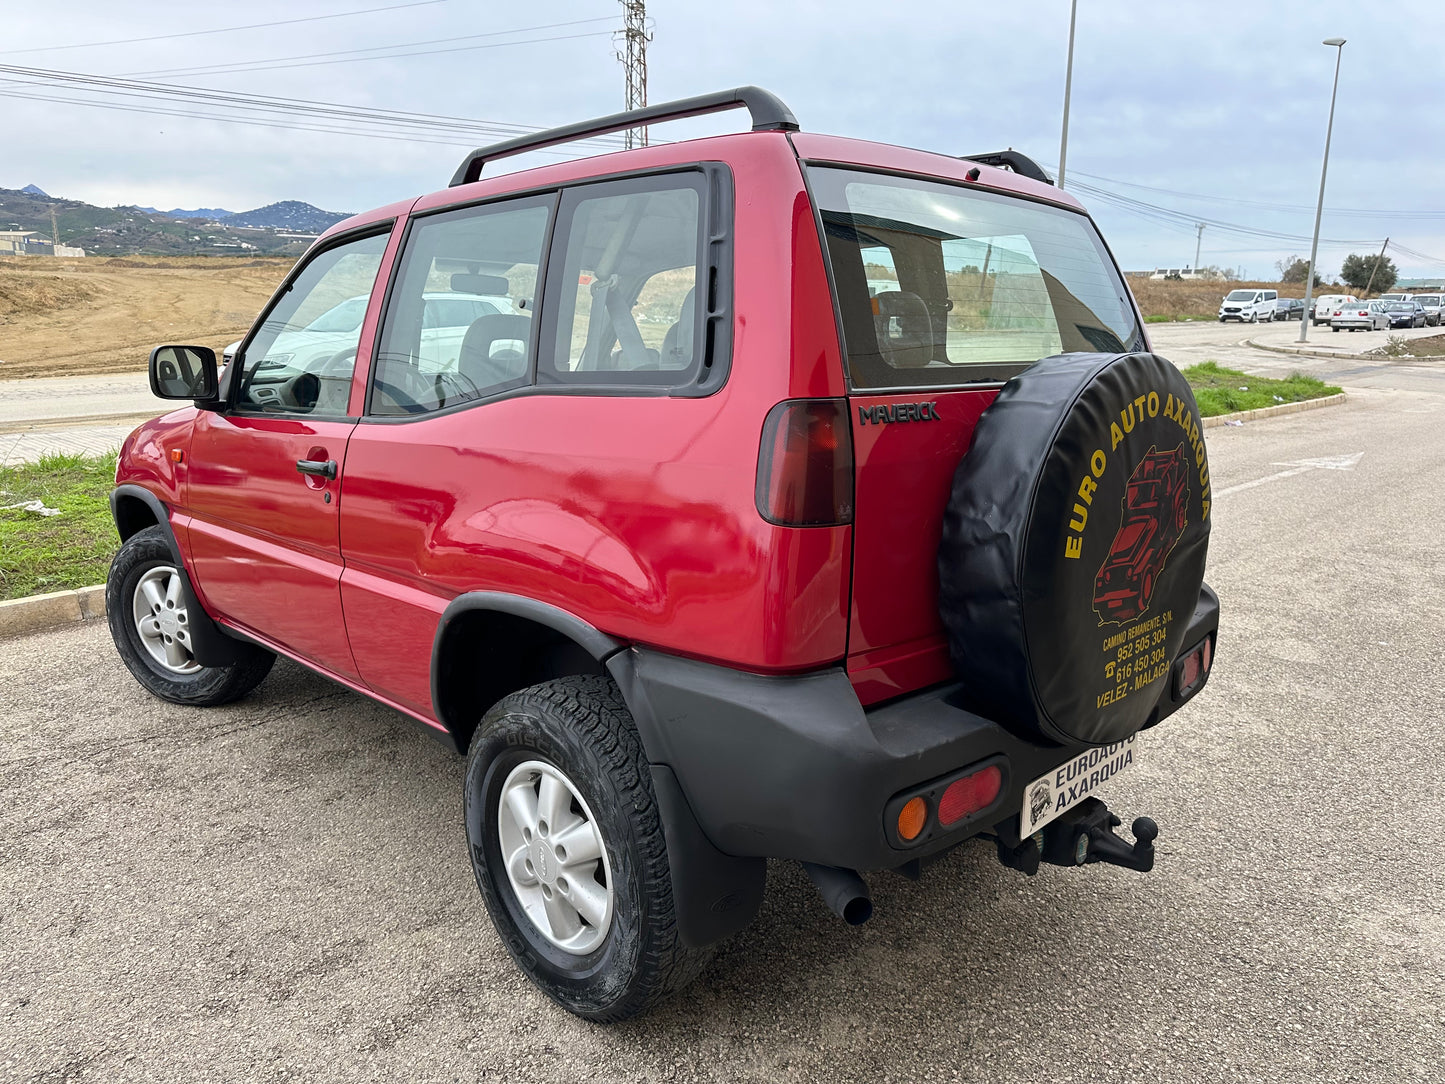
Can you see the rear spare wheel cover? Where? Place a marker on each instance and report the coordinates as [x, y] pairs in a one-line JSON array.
[[1074, 544]]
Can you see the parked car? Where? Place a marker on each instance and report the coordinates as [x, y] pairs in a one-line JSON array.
[[684, 551], [1289, 308], [1394, 297], [1360, 316], [1405, 313], [1431, 304], [444, 321], [1248, 306], [1325, 306]]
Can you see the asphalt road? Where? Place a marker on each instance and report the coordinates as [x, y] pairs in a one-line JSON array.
[[279, 889]]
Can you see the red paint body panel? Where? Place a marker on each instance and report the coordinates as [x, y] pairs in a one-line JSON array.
[[858, 152], [634, 513], [904, 475], [263, 538], [145, 458]]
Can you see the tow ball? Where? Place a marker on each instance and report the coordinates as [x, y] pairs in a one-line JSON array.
[[1084, 834]]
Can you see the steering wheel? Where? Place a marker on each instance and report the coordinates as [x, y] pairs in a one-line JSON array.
[[341, 363], [300, 392], [405, 387]]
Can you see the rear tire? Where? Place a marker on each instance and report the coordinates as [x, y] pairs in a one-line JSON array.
[[570, 746], [150, 624]]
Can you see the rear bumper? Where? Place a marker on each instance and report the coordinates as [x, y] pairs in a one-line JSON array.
[[795, 767]]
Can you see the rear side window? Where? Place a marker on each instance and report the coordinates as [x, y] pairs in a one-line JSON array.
[[938, 284], [458, 326], [625, 273]]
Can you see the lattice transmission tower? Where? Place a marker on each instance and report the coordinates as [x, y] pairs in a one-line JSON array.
[[633, 55]]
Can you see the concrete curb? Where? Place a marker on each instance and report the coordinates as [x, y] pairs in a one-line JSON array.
[[77, 421], [1305, 351], [1271, 411], [21, 616]]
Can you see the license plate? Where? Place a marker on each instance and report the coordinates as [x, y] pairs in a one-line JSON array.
[[1051, 795]]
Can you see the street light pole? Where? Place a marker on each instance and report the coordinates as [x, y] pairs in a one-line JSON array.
[[1068, 86], [1304, 325]]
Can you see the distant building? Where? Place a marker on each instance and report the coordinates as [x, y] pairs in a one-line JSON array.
[[1420, 284], [1181, 273], [69, 250], [16, 242]]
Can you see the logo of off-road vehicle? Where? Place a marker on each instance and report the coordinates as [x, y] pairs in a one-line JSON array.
[[1155, 511]]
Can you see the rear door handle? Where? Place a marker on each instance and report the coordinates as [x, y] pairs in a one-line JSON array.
[[322, 468]]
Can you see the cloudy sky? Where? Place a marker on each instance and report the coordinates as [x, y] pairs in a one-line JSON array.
[[1182, 112]]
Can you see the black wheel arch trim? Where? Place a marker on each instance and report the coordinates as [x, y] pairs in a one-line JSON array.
[[595, 642], [716, 894], [211, 644]]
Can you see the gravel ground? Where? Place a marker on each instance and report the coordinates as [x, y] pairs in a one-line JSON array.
[[279, 889]]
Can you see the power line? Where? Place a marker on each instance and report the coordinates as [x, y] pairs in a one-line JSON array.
[[266, 107], [1345, 212], [1153, 210], [219, 30], [383, 52]]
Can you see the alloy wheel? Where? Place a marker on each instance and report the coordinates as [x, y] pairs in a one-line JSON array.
[[158, 608], [555, 858]]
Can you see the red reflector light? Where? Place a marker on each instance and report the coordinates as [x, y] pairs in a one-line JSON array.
[[969, 795], [1208, 654], [805, 464], [1190, 672]]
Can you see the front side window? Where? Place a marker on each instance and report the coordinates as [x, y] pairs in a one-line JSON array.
[[459, 325], [938, 284], [301, 359], [625, 274]]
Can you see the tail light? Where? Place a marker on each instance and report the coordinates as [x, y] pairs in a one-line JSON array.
[[969, 795], [1193, 668], [805, 464]]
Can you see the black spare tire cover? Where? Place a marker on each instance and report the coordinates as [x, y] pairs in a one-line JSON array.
[[1073, 546]]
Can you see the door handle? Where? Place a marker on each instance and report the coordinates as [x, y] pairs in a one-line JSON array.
[[322, 468]]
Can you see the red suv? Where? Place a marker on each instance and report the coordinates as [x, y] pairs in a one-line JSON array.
[[722, 500]]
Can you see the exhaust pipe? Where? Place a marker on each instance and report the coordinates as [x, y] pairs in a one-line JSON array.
[[843, 891]]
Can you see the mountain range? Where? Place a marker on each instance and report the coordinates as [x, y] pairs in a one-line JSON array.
[[283, 228], [180, 212]]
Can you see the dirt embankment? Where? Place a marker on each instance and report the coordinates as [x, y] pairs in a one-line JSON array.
[[65, 317]]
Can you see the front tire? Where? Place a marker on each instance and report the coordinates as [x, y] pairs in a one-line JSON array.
[[567, 847], [149, 621]]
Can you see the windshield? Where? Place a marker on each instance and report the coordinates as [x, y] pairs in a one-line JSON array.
[[1240, 295], [344, 317], [939, 284]]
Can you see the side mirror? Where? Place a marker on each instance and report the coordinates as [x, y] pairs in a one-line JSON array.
[[184, 372]]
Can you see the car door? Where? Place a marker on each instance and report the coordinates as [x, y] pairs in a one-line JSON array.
[[266, 473], [429, 445]]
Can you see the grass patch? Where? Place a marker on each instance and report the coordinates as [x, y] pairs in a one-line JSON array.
[[1398, 346], [1223, 391], [56, 553]]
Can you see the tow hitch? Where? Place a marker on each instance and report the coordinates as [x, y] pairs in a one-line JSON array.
[[1084, 834]]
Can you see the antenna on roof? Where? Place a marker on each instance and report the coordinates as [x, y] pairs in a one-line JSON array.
[[633, 55]]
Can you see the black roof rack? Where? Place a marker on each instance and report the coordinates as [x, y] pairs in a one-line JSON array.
[[1021, 164], [768, 113]]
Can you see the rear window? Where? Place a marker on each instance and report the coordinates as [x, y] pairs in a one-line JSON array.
[[939, 284]]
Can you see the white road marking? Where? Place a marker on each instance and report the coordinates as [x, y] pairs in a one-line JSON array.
[[1298, 466]]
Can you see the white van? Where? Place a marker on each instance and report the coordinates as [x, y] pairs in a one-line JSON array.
[[1248, 306], [1326, 304]]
